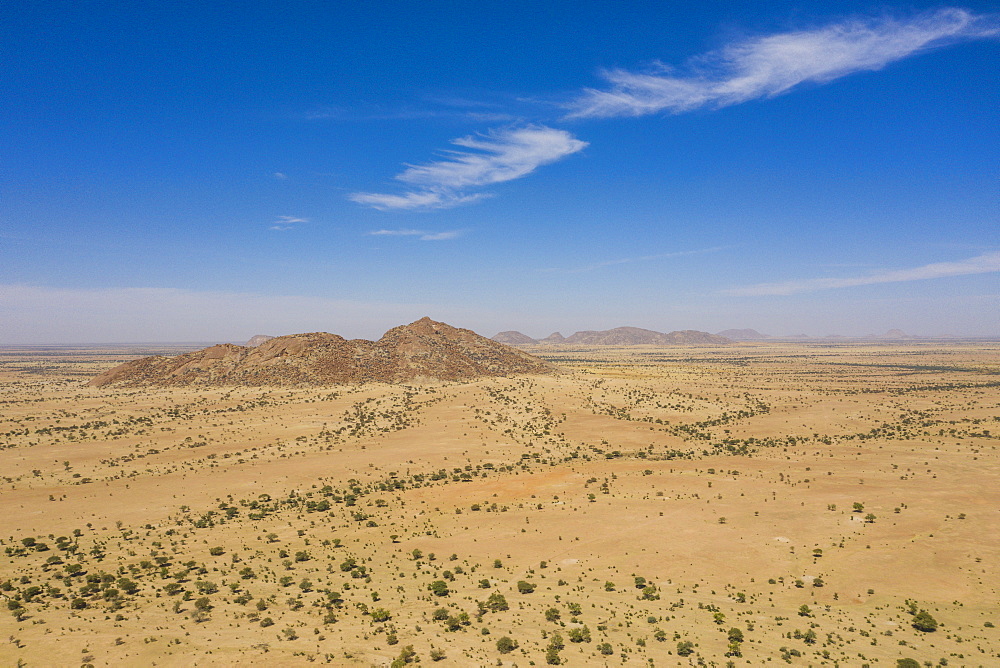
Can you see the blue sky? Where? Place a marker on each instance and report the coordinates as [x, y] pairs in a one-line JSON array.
[[208, 171]]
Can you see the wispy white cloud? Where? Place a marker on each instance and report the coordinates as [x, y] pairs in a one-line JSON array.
[[286, 223], [442, 236], [423, 234], [754, 68], [982, 264], [396, 233], [503, 155], [415, 200], [771, 65], [408, 114], [629, 260], [497, 156], [281, 176]]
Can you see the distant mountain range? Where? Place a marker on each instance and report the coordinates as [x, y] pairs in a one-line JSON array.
[[754, 335], [891, 335], [634, 336], [619, 336]]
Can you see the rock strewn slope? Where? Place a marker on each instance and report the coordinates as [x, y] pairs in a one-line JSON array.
[[424, 349]]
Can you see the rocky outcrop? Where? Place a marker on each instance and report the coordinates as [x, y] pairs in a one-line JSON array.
[[422, 350], [257, 339], [513, 338]]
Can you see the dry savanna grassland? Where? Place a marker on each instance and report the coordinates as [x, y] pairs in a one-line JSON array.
[[756, 503]]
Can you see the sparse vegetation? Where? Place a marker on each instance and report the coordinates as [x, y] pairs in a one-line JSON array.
[[578, 496]]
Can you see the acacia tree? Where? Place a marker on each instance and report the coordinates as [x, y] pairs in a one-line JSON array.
[[923, 621], [407, 655], [497, 602], [556, 644], [506, 645]]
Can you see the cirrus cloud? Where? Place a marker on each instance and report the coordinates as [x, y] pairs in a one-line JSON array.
[[629, 260], [286, 223], [770, 65], [423, 234], [414, 200], [758, 67], [496, 156], [981, 264]]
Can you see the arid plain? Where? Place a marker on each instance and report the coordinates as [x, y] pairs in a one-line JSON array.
[[809, 503]]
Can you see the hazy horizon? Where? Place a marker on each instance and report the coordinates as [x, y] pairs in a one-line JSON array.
[[868, 335]]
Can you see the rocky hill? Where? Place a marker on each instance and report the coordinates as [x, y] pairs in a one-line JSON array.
[[697, 337], [554, 337], [633, 336], [743, 335], [894, 334], [257, 339], [513, 338], [422, 350]]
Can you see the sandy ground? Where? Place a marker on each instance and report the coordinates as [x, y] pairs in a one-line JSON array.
[[239, 526]]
